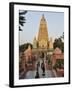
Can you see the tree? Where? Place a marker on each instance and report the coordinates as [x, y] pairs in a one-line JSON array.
[[58, 43], [21, 19], [62, 36], [23, 47], [59, 64]]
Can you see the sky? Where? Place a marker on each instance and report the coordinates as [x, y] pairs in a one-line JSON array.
[[55, 25]]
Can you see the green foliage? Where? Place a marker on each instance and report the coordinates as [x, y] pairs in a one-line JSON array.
[[23, 47], [62, 36], [22, 19], [59, 64], [58, 43]]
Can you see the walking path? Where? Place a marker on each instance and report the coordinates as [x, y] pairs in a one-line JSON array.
[[31, 74]]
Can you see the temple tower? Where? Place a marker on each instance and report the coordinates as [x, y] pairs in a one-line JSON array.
[[43, 40]]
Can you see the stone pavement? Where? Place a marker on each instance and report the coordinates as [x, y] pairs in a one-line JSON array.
[[31, 74]]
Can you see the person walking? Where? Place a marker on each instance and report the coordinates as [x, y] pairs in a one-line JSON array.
[[37, 75], [37, 72], [43, 68], [38, 63]]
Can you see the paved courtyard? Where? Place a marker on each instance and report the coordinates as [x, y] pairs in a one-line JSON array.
[[32, 74]]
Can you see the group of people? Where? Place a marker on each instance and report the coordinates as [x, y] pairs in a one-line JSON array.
[[42, 66]]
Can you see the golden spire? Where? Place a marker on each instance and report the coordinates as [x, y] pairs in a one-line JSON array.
[[43, 32], [43, 18]]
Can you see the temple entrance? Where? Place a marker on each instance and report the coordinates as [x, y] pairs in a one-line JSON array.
[[42, 54]]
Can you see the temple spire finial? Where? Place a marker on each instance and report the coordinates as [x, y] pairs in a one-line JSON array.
[[42, 15]]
